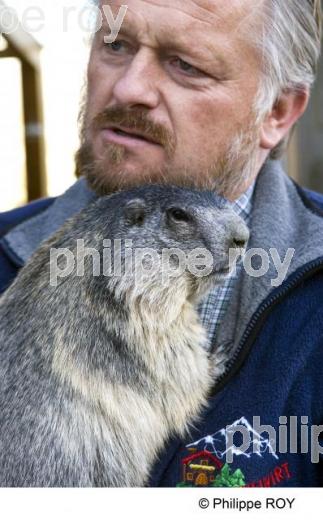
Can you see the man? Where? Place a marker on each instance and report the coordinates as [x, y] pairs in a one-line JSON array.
[[204, 93]]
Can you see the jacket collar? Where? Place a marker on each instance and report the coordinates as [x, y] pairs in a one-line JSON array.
[[282, 218], [25, 238]]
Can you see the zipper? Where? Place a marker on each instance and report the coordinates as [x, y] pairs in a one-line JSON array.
[[259, 318]]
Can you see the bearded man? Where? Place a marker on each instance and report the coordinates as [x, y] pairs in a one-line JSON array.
[[204, 93]]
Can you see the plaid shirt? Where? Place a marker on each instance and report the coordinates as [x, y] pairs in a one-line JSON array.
[[213, 307]]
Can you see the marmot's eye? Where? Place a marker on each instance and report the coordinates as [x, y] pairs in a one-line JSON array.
[[178, 215]]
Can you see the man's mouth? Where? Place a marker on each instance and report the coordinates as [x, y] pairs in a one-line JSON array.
[[127, 136]]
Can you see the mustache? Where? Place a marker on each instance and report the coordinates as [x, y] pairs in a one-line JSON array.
[[136, 119]]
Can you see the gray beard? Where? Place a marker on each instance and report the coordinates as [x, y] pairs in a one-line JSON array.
[[229, 174]]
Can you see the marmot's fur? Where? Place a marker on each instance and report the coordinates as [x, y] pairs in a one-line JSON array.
[[97, 372]]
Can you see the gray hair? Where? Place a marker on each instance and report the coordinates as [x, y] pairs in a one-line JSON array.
[[290, 45]]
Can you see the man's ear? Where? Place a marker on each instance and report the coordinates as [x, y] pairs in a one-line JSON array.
[[287, 110]]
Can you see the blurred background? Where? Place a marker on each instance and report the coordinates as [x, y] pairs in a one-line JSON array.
[[41, 76], [42, 70]]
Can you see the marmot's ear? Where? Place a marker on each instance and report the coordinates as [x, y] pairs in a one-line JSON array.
[[135, 212]]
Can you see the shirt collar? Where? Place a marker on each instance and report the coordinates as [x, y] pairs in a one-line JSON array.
[[243, 205]]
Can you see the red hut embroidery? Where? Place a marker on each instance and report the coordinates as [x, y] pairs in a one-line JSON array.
[[200, 469]]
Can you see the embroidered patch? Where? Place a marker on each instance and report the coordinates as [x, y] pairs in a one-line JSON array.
[[203, 469], [205, 463]]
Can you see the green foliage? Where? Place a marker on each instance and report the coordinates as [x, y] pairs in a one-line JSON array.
[[228, 479]]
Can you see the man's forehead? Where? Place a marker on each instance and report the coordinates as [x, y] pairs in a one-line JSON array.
[[201, 21], [210, 11]]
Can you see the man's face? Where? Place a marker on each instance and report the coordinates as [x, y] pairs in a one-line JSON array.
[[171, 99]]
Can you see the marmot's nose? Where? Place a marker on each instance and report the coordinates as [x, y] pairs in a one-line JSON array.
[[239, 237]]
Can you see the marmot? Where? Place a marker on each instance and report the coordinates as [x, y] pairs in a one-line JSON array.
[[99, 370]]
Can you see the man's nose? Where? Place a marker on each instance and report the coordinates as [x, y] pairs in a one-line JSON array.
[[138, 82]]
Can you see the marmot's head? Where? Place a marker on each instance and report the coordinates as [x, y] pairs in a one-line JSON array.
[[167, 242]]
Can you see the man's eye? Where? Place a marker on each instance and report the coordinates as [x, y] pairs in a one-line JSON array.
[[186, 67], [116, 46]]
